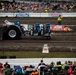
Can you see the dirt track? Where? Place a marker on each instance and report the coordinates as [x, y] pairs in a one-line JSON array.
[[33, 20], [58, 42]]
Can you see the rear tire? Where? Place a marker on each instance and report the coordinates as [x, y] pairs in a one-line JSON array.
[[12, 32]]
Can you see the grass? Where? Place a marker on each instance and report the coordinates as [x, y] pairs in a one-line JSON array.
[[38, 54]]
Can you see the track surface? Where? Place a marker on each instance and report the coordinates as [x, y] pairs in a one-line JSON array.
[[58, 42], [33, 20]]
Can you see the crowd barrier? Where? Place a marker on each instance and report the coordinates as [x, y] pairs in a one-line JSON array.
[[34, 61], [37, 14]]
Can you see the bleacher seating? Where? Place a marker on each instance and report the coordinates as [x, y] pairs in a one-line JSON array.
[[37, 7]]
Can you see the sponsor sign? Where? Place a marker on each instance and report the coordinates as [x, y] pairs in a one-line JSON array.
[[22, 15], [57, 27], [54, 14], [29, 14]]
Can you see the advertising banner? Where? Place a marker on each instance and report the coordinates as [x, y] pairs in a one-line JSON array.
[[21, 14], [25, 14], [57, 27], [54, 14]]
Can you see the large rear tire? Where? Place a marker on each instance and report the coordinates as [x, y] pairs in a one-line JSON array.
[[12, 32]]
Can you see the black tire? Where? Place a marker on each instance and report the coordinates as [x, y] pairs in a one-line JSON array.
[[12, 32]]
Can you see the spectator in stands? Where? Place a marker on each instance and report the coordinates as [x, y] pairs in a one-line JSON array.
[[59, 65], [59, 19], [48, 72], [58, 69], [35, 72], [1, 69], [74, 63], [70, 63], [36, 7], [1, 64], [7, 69], [41, 66], [47, 9], [66, 63], [74, 71], [6, 65], [52, 64], [41, 63], [47, 68]]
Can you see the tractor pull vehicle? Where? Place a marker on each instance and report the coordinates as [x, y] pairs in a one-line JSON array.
[[12, 30], [16, 30]]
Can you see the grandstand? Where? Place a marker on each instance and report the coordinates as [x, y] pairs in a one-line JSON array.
[[36, 6]]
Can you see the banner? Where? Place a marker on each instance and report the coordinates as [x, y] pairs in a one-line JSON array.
[[55, 14], [57, 27], [21, 14], [25, 14]]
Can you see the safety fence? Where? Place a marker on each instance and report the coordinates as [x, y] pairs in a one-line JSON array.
[[37, 14]]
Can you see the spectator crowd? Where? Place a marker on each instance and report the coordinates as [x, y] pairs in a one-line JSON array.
[[68, 68], [36, 7]]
